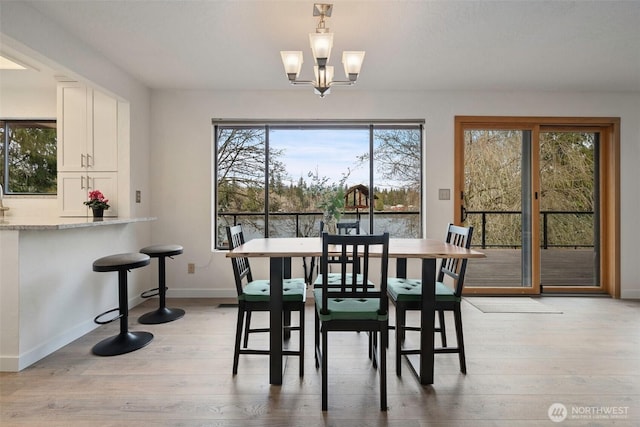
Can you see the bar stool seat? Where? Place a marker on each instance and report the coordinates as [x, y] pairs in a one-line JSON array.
[[162, 314], [125, 341]]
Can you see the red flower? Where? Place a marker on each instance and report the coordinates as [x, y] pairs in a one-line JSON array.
[[97, 200]]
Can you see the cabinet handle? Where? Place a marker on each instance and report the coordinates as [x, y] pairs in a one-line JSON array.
[[89, 186], [81, 182], [89, 163], [81, 160]]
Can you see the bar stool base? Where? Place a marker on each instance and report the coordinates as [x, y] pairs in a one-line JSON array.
[[161, 315], [122, 343]]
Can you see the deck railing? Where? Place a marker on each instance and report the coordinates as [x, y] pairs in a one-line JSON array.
[[580, 237], [404, 224], [573, 220]]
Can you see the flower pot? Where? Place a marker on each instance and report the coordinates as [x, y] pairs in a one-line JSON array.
[[98, 212]]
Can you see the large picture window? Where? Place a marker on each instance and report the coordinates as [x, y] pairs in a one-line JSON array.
[[28, 162], [282, 179]]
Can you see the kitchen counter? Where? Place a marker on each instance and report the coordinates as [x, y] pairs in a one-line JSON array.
[[49, 293], [62, 223]]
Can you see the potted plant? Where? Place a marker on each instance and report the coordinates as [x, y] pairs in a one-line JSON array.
[[329, 197], [98, 203], [332, 205]]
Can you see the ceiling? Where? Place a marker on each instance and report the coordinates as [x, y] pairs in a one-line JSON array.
[[410, 45]]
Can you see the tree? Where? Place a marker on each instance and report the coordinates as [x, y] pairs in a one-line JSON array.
[[397, 156], [241, 168], [493, 182], [32, 158], [241, 173], [567, 172]]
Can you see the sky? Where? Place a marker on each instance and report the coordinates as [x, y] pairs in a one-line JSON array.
[[329, 151]]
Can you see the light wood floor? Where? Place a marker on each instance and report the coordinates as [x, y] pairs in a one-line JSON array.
[[518, 365]]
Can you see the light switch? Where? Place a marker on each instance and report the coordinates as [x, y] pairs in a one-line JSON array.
[[138, 196], [444, 194]]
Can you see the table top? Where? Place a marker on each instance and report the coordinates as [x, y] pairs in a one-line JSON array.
[[312, 246]]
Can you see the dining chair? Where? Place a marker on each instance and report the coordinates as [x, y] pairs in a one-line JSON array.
[[406, 294], [342, 228], [352, 227], [351, 306], [253, 295]]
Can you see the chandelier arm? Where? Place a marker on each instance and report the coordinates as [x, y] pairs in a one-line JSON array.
[[342, 83], [302, 82]]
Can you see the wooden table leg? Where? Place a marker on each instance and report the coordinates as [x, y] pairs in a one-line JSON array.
[[275, 316], [427, 316]]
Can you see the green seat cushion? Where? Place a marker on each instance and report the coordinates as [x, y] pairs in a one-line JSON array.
[[259, 290], [349, 308], [333, 279], [411, 290]]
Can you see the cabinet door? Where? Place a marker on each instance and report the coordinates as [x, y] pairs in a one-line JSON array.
[[72, 192], [73, 130], [74, 187], [103, 147], [107, 183]]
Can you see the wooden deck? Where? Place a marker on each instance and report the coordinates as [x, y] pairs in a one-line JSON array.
[[560, 267]]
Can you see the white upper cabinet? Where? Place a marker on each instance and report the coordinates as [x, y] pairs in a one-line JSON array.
[[103, 152], [87, 129], [87, 147]]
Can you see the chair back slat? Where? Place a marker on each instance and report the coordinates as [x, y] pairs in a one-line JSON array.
[[241, 267], [350, 248], [345, 228], [455, 268]]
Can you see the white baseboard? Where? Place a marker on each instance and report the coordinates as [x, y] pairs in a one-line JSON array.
[[630, 294], [16, 363], [12, 363]]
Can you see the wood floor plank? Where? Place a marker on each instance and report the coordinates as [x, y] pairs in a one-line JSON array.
[[519, 364]]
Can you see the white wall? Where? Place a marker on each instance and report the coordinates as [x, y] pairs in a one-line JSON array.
[[29, 275], [25, 102], [28, 103], [173, 143], [24, 30], [181, 156]]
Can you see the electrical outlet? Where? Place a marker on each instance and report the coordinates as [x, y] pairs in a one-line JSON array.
[[138, 196], [191, 268]]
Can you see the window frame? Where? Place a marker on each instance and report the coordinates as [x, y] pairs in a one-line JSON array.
[[369, 125], [609, 189], [5, 158]]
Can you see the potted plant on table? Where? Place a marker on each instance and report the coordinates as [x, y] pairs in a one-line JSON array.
[[98, 203]]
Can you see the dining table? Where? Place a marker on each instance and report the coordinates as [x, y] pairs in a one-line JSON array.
[[279, 249]]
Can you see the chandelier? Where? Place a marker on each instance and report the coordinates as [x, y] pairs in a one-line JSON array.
[[321, 43]]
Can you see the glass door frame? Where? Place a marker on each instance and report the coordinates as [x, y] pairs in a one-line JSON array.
[[608, 203]]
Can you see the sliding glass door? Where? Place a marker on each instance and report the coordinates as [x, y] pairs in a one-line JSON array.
[[496, 202], [569, 217], [535, 194]]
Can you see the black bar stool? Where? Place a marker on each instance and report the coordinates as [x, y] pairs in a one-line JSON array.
[[125, 341], [162, 314]]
